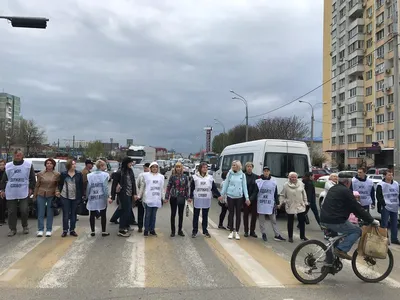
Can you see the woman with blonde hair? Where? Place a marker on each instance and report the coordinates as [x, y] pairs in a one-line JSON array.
[[235, 188], [294, 197], [177, 193], [97, 196]]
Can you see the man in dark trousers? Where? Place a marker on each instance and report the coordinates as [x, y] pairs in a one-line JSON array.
[[252, 208]]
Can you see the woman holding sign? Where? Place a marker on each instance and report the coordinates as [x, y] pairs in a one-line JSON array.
[[151, 191], [202, 189], [267, 201], [97, 196]]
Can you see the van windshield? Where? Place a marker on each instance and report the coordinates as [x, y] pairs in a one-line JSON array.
[[281, 164]]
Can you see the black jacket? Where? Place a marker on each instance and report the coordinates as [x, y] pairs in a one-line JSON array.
[[118, 178], [339, 203], [252, 186], [310, 190], [78, 183], [276, 195]]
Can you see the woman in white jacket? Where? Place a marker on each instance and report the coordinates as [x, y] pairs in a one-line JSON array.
[[294, 197], [333, 180]]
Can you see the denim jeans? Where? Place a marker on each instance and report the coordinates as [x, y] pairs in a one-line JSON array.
[[393, 223], [69, 214], [150, 218], [353, 234], [44, 205]]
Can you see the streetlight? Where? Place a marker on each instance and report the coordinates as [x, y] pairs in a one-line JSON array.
[[312, 122], [27, 22], [241, 98], [223, 127]]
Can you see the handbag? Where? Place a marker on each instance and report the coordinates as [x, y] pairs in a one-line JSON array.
[[373, 242], [82, 209], [56, 202]]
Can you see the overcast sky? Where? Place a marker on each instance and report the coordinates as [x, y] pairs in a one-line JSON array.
[[159, 71]]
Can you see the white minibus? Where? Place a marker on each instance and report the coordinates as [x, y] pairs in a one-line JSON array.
[[281, 156]]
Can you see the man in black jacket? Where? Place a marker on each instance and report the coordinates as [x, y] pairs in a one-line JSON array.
[[252, 208], [339, 203]]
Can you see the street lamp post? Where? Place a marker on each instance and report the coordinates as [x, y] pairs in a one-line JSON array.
[[241, 98], [312, 123], [223, 127], [27, 22]]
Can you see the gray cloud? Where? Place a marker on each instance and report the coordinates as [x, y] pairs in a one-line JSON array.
[[160, 71]]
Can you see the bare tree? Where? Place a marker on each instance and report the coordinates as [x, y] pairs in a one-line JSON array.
[[287, 128], [219, 142], [30, 135]]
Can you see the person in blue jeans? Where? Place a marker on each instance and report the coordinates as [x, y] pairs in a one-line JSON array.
[[151, 192], [388, 196], [71, 187], [45, 190]]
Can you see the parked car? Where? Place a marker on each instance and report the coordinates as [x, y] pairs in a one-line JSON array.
[[376, 171], [319, 173], [375, 179]]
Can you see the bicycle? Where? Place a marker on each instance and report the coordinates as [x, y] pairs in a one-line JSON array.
[[311, 260]]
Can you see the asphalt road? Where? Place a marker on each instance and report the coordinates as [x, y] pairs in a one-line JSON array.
[[167, 268]]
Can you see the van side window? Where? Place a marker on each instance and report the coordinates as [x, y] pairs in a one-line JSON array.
[[242, 157], [281, 164]]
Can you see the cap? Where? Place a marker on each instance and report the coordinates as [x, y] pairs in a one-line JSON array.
[[154, 163], [88, 162], [146, 165], [266, 168]]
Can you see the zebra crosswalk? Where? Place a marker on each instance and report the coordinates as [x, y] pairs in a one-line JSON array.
[[154, 262]]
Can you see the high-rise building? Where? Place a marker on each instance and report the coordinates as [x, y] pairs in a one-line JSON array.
[[10, 111], [358, 118]]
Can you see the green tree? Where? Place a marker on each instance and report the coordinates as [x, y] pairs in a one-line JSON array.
[[219, 142], [94, 149], [318, 158]]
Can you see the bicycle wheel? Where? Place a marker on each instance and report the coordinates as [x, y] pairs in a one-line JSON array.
[[310, 260], [371, 262]]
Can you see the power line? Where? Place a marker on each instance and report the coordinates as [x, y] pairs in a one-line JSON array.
[[321, 85]]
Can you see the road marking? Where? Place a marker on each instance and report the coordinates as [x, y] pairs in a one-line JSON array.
[[19, 251], [67, 267], [253, 268], [134, 257], [191, 261]]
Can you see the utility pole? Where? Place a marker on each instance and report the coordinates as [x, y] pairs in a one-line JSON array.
[[396, 151], [73, 142], [243, 99]]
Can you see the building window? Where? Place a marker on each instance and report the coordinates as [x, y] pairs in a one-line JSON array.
[[369, 59], [390, 46], [341, 82], [389, 11], [380, 135], [369, 75], [353, 122], [341, 111], [379, 19], [356, 30], [369, 43], [352, 92], [342, 13], [342, 96], [380, 102], [342, 26], [341, 125], [334, 46], [368, 122], [380, 34], [356, 45], [379, 3], [333, 127], [334, 141], [334, 60], [390, 28], [352, 107], [355, 61], [352, 138], [341, 140], [341, 41], [334, 7], [334, 100], [368, 139], [390, 99], [369, 106], [352, 153], [380, 119], [333, 86], [368, 91], [390, 134], [369, 28], [380, 85], [379, 68], [390, 116], [342, 68], [334, 72], [341, 55], [380, 51], [334, 33], [369, 12]]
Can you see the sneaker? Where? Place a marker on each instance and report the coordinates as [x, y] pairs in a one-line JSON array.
[[146, 234], [230, 236], [254, 235], [48, 233], [246, 234], [39, 234], [73, 233], [26, 230], [124, 233], [207, 235], [279, 238], [180, 233], [12, 233], [304, 239], [172, 234], [221, 227], [153, 233], [237, 236], [194, 235], [105, 234], [342, 254], [264, 237]]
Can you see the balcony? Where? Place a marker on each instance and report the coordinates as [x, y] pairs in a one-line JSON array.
[[355, 70], [359, 129], [357, 22], [356, 83], [357, 52], [357, 9]]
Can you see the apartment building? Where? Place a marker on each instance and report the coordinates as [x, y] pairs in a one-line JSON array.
[[358, 126], [10, 110]]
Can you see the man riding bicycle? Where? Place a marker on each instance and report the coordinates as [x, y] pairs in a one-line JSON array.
[[339, 203]]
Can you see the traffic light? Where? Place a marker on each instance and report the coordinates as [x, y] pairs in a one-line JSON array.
[[40, 23]]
